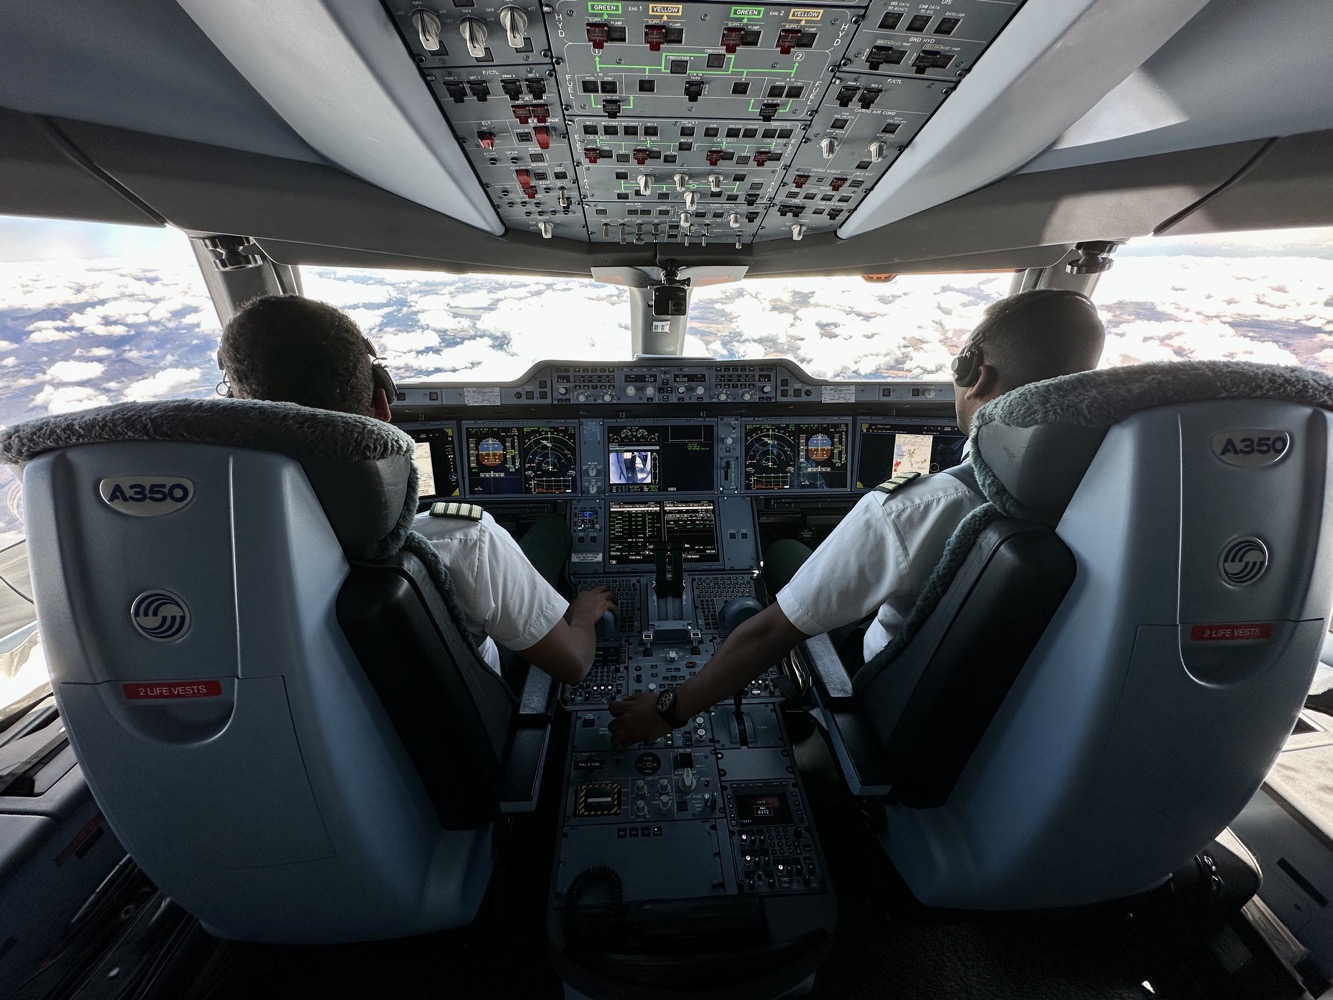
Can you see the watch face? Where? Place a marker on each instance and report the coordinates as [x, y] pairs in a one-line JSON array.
[[665, 700]]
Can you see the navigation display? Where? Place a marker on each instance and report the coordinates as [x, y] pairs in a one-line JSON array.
[[638, 531], [889, 450], [666, 458], [504, 461], [796, 456], [436, 459]]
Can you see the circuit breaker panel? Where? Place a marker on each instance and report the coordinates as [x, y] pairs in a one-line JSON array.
[[679, 123]]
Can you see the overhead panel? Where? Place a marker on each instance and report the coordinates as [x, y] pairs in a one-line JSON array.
[[689, 123]]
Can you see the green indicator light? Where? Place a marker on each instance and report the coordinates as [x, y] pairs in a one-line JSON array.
[[604, 8], [747, 12]]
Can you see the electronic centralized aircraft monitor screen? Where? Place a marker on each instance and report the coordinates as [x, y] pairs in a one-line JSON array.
[[639, 530], [660, 458]]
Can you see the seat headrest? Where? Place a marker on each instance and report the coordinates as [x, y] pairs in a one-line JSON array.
[[360, 467], [1032, 445]]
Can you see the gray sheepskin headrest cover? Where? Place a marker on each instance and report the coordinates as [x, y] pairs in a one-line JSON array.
[[1031, 446], [360, 467]]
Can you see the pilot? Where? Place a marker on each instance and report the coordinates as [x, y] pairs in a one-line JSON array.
[[293, 349], [879, 558]]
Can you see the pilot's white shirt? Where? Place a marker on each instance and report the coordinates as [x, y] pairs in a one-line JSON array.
[[502, 596], [880, 556]]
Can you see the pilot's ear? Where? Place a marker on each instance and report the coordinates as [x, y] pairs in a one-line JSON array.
[[987, 385], [379, 407]]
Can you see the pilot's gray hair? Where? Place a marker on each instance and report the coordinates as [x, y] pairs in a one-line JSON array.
[[287, 348]]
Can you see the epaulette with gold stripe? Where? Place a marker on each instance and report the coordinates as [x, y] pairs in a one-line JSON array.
[[452, 508], [888, 486]]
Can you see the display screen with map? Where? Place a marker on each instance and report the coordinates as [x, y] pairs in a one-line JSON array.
[[436, 460], [796, 456], [888, 450], [519, 459]]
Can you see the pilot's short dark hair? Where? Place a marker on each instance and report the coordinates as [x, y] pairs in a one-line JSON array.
[[1039, 334], [291, 349]]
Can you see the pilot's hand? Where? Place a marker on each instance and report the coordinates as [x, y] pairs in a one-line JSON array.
[[589, 605], [636, 721]]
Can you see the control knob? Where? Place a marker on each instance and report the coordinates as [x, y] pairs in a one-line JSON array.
[[582, 397], [664, 804], [747, 394], [687, 780], [428, 29], [631, 391], [640, 808], [515, 24], [474, 37], [722, 395]]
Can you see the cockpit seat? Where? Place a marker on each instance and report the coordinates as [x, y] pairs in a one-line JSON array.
[[1115, 645], [261, 669]]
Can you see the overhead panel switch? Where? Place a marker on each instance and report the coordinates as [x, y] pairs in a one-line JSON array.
[[474, 37], [515, 24], [428, 29]]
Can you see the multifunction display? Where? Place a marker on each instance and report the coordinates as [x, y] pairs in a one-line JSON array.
[[666, 458], [889, 450], [639, 531], [509, 460], [796, 456], [436, 459]]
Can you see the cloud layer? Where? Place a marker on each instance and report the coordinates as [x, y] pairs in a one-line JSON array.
[[84, 333]]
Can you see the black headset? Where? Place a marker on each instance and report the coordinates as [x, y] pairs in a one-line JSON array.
[[380, 373], [967, 365]]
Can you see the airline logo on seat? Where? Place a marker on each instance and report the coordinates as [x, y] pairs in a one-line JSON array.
[[160, 615], [1243, 561], [1251, 448]]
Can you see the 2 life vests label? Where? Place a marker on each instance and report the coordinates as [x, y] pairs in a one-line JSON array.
[[171, 690]]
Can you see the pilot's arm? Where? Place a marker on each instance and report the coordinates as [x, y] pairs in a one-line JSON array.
[[756, 645], [522, 611], [566, 652]]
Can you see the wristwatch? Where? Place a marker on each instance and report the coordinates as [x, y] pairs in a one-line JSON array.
[[666, 708]]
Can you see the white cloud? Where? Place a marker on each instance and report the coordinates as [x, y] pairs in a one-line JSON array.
[[9, 362], [68, 398], [76, 371], [52, 335], [409, 342], [161, 385]]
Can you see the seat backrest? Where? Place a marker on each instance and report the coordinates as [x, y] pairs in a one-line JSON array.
[[1192, 499], [192, 563]]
